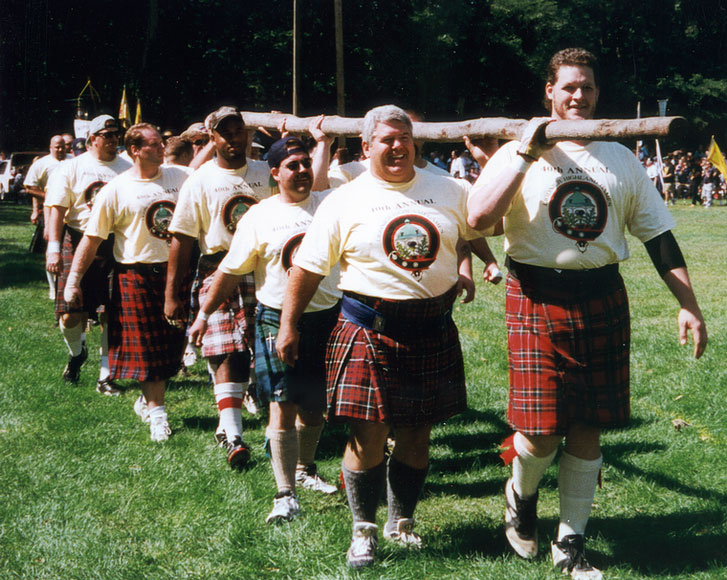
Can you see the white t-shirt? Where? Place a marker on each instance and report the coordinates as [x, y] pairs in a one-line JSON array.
[[575, 203], [266, 241], [40, 171], [75, 183], [138, 212], [213, 199], [395, 241]]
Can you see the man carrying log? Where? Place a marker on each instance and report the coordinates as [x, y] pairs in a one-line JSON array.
[[564, 209]]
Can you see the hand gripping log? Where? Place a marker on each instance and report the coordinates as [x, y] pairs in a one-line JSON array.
[[500, 127]]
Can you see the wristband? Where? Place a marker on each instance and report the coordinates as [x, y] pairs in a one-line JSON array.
[[203, 316], [53, 248], [522, 164]]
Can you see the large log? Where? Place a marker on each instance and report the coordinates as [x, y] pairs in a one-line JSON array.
[[500, 127]]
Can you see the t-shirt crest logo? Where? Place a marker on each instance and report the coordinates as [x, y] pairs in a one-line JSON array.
[[412, 243], [289, 250], [158, 217], [234, 209], [578, 211], [89, 194]]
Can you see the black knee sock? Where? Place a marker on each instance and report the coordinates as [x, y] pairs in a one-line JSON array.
[[404, 484], [364, 489]]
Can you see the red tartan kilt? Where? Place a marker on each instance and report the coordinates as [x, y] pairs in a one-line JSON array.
[[96, 282], [568, 363], [230, 328], [142, 345], [410, 380]]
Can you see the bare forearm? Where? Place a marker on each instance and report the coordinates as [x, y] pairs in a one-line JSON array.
[[489, 202], [321, 161], [180, 252], [302, 285], [84, 255], [55, 228], [678, 282], [222, 286]]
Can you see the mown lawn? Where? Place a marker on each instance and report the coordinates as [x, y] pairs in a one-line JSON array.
[[84, 494]]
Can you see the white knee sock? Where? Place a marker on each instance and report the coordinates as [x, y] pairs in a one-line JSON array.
[[72, 336], [577, 479], [103, 351], [527, 469], [229, 404], [283, 456]]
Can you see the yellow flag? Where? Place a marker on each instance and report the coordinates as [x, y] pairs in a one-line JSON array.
[[124, 115], [715, 157], [137, 119]]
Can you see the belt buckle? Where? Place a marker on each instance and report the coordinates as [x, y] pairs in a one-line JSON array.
[[379, 323]]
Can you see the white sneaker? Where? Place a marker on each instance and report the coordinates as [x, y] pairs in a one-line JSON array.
[[403, 533], [249, 401], [308, 478], [141, 409], [363, 545], [285, 507], [569, 555], [159, 428]]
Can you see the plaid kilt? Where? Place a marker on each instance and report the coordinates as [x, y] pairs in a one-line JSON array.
[[142, 345], [96, 282], [305, 383], [230, 328], [413, 375], [569, 362]]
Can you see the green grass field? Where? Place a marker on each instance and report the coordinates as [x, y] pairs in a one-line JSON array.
[[84, 494]]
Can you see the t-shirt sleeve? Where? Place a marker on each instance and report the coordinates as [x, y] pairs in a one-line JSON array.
[[58, 191], [186, 218], [34, 175], [242, 257], [321, 247], [648, 216], [103, 214]]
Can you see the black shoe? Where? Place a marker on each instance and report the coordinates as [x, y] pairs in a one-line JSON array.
[[521, 522], [108, 387], [238, 453], [72, 372], [569, 555]]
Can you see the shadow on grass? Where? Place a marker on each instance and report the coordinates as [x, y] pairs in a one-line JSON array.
[[20, 269], [675, 543], [613, 453]]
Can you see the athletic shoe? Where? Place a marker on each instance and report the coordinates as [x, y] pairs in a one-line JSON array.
[[308, 478], [72, 372], [285, 507], [250, 404], [363, 545], [108, 387], [238, 453], [220, 437], [159, 428], [569, 555], [141, 409], [402, 532], [521, 521]]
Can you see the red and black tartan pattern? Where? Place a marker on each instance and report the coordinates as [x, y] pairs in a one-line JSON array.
[[230, 328], [142, 345], [568, 362], [96, 282], [415, 378]]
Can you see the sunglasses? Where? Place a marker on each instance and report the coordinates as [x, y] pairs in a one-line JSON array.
[[109, 134], [200, 142], [294, 165]]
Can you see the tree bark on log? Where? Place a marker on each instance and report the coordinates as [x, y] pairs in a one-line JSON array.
[[500, 127]]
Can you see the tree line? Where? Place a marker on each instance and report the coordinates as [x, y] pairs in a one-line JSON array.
[[448, 59]]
